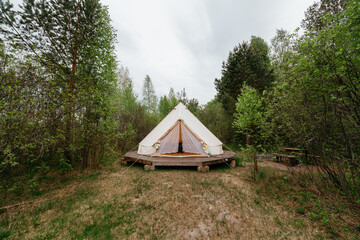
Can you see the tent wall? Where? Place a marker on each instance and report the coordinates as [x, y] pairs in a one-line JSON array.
[[180, 112], [146, 150]]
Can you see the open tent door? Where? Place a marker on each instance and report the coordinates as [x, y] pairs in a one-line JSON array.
[[170, 143], [180, 140], [190, 143]]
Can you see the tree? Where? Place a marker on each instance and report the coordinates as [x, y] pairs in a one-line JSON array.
[[149, 97], [128, 113], [171, 93], [318, 106], [246, 63], [280, 47], [167, 103], [164, 106], [124, 79], [74, 95], [181, 96], [248, 115], [217, 120], [315, 14], [193, 106], [57, 41]]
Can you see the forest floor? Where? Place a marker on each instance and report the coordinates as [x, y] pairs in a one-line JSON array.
[[119, 202]]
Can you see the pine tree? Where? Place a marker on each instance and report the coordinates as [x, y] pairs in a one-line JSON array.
[[164, 106], [246, 63], [149, 97], [171, 93]]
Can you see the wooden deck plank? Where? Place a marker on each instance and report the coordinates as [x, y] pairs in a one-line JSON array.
[[179, 161]]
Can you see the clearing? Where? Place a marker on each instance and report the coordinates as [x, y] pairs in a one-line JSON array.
[[168, 203]]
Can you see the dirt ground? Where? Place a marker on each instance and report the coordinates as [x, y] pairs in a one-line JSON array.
[[275, 165], [169, 203]]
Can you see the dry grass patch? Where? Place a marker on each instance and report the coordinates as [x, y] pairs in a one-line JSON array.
[[168, 203], [328, 211]]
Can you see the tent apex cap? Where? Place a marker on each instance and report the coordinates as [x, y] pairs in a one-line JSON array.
[[180, 105]]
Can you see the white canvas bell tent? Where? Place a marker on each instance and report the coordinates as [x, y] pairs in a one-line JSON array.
[[180, 131]]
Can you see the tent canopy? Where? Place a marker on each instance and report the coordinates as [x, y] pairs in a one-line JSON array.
[[180, 126]]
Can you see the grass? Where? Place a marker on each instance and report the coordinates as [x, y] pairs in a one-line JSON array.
[[32, 186], [171, 204], [333, 215]]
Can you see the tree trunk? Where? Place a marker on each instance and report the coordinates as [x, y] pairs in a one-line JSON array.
[[248, 143], [255, 163], [247, 138], [70, 120]]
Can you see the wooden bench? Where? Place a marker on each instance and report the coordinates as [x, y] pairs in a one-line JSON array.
[[285, 158], [292, 156], [298, 152]]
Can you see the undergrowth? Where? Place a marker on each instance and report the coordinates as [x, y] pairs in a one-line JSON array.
[[337, 217]]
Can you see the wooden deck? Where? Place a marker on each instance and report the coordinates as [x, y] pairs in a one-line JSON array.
[[192, 161]]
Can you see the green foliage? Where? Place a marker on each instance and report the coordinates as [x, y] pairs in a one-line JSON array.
[[246, 63], [251, 118], [193, 106], [315, 15], [55, 100], [249, 107], [132, 121], [281, 50], [217, 120], [240, 161], [46, 121], [315, 100], [166, 105]]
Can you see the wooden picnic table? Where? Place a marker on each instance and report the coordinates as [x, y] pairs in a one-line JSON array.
[[286, 158], [298, 151], [290, 156]]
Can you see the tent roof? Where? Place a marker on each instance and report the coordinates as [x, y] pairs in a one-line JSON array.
[[180, 112]]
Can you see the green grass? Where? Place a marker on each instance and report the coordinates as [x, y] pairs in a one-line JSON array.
[[204, 183], [100, 224], [31, 219], [320, 210], [156, 204], [28, 186], [4, 233]]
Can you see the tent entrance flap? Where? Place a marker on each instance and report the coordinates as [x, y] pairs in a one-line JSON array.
[[190, 143], [180, 140], [170, 143]]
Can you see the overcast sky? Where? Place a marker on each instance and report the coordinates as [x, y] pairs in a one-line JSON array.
[[182, 43]]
